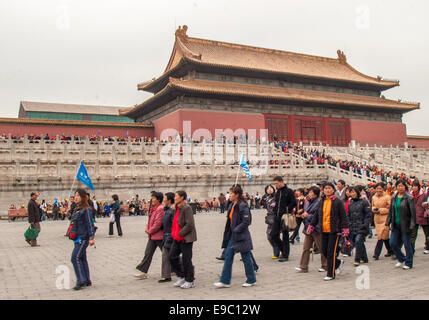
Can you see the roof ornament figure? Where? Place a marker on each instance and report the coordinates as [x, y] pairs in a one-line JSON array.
[[341, 56], [181, 31]]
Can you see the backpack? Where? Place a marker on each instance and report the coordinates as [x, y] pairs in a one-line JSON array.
[[72, 229]]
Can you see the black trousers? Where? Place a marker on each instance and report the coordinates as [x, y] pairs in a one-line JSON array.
[[118, 225], [330, 249], [184, 268], [148, 255], [379, 247], [281, 243]]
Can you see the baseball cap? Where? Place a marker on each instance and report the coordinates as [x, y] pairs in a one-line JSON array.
[[35, 194]]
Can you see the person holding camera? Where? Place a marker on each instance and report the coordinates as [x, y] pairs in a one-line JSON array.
[[380, 207]]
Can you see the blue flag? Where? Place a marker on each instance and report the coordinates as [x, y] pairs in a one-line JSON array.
[[82, 176], [245, 166]]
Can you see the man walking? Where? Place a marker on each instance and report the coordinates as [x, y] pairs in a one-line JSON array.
[[34, 216], [284, 203], [341, 191]]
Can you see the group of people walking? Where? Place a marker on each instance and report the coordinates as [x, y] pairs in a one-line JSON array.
[[334, 218]]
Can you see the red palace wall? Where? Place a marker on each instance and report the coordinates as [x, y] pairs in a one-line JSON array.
[[420, 143], [22, 129], [209, 120], [378, 132]]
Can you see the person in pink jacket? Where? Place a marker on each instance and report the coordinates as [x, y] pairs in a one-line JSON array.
[[154, 232]]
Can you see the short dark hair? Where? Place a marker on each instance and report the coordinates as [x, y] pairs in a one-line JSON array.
[[278, 179], [158, 196], [401, 181], [330, 184], [416, 183], [316, 190], [380, 184], [342, 182], [183, 194], [357, 189], [170, 196], [115, 197], [300, 190], [238, 191], [269, 186]]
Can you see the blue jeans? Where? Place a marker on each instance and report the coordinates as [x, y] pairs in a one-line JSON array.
[[227, 266], [80, 263], [359, 241], [396, 237]]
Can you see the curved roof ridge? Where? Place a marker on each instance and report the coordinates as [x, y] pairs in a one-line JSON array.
[[260, 49]]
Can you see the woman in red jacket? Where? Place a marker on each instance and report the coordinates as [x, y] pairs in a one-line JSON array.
[[155, 233]]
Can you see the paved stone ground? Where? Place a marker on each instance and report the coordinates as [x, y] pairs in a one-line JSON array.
[[30, 273]]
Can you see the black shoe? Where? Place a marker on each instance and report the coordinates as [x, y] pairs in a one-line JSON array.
[[164, 280], [389, 254], [375, 257], [78, 287], [283, 259], [87, 284], [220, 258]]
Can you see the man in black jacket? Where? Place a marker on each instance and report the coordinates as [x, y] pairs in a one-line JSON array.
[[34, 216], [285, 202]]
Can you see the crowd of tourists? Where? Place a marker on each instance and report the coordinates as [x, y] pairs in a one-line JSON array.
[[332, 219], [65, 138]]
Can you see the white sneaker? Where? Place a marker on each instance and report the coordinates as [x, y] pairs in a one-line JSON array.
[[399, 264], [188, 285], [340, 267], [249, 284], [141, 276], [179, 282], [426, 251], [221, 285], [321, 270], [300, 270], [406, 267], [345, 255], [328, 278]]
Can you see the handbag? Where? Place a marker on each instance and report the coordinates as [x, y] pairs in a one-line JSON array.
[[347, 246], [31, 233], [289, 221], [270, 219]]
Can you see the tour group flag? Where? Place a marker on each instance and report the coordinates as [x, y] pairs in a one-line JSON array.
[[82, 176], [245, 166]]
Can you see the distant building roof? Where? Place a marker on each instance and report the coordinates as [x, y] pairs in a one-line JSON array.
[[236, 56], [69, 108], [16, 121]]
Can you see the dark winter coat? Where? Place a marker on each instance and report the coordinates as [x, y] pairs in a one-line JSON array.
[[420, 211], [84, 224], [34, 212], [166, 225], [285, 201], [237, 229], [339, 219], [407, 212], [359, 215], [311, 207]]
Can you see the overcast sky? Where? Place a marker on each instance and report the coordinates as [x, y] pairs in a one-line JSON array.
[[96, 51]]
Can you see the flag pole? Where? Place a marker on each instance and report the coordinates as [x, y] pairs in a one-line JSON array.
[[236, 178], [74, 180]]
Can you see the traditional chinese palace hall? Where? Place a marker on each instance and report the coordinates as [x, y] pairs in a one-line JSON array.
[[297, 97]]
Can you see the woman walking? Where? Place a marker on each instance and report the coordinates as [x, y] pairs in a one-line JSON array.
[[168, 239], [298, 211], [310, 209], [83, 228], [420, 197], [270, 203], [184, 234], [359, 215], [240, 240], [116, 206], [402, 219], [155, 234], [331, 219], [380, 208]]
